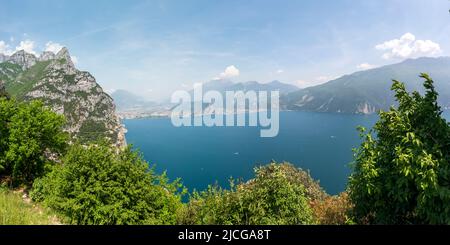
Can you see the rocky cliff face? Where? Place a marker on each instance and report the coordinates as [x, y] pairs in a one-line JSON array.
[[46, 55], [22, 58], [89, 111]]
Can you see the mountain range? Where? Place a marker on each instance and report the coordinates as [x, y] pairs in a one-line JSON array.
[[54, 79], [222, 85], [362, 92], [369, 91]]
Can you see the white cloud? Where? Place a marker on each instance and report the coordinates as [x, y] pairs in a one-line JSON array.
[[27, 46], [74, 59], [408, 47], [365, 66], [230, 71], [53, 47], [4, 48], [279, 71]]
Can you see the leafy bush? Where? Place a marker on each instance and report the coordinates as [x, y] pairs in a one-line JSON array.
[[96, 184], [30, 134], [297, 176], [402, 176], [333, 210], [272, 197]]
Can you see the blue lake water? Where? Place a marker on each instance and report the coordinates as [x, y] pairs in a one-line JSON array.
[[319, 142]]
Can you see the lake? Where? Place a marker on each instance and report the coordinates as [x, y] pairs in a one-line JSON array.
[[319, 142]]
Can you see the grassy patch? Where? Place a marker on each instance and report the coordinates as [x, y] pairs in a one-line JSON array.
[[15, 211]]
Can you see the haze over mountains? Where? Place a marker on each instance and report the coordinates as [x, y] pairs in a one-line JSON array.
[[362, 92], [54, 79], [369, 91], [130, 105], [223, 85]]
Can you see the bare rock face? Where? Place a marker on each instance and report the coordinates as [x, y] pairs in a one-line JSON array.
[[63, 62], [22, 58], [53, 79], [46, 55]]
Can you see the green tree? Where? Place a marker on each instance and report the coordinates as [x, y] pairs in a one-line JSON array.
[[402, 176], [31, 134], [272, 197], [7, 108], [99, 184]]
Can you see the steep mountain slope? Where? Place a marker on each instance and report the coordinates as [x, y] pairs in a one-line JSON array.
[[90, 113], [368, 91]]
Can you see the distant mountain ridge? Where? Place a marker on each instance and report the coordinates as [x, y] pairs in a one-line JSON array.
[[53, 79], [222, 85], [126, 101], [368, 91]]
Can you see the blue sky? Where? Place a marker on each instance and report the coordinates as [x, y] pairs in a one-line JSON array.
[[155, 47]]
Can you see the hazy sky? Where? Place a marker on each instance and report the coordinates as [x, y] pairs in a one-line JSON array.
[[155, 47]]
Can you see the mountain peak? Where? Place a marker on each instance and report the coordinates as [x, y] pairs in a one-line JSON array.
[[62, 60], [22, 58], [64, 54]]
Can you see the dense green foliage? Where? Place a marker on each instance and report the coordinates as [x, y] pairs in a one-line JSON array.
[[30, 134], [402, 176], [272, 197], [95, 184]]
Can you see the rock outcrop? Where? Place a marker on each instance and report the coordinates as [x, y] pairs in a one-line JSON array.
[[22, 58], [47, 55], [54, 79]]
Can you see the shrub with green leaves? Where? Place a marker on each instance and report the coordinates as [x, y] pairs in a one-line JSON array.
[[402, 176], [272, 197], [29, 134], [98, 184]]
